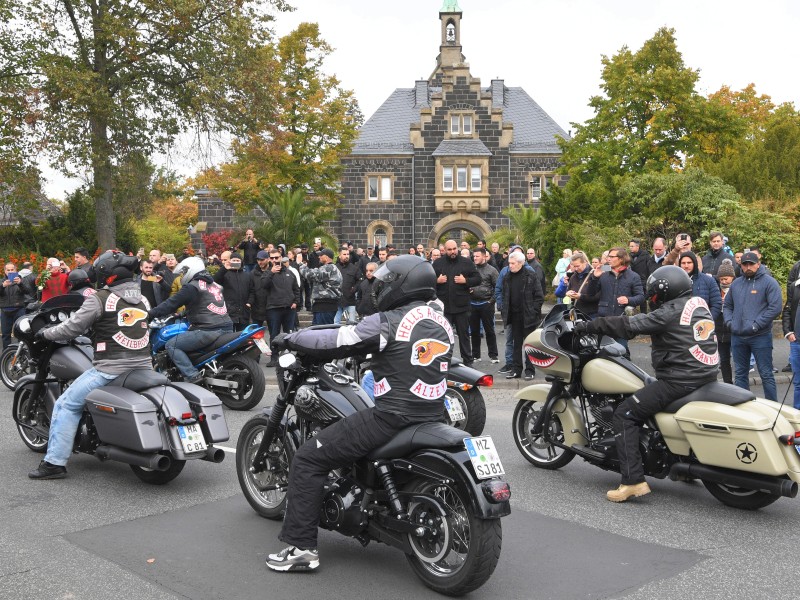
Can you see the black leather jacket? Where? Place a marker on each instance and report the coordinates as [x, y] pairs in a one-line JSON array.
[[684, 345]]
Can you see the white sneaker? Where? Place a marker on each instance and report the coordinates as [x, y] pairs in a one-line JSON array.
[[494, 361], [293, 558]]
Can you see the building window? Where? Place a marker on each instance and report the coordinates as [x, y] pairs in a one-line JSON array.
[[466, 121], [461, 181], [475, 179], [447, 179], [455, 124], [540, 182], [381, 239], [461, 124], [379, 188]]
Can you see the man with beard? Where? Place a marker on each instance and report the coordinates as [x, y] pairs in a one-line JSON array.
[[351, 275]]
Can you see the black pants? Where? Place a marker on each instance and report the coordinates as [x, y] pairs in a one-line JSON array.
[[460, 322], [483, 313], [280, 318], [336, 446], [635, 410], [725, 361], [519, 332], [306, 293], [9, 317]]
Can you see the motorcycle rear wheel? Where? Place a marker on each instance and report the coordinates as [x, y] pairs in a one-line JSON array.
[[270, 504], [737, 497], [27, 411], [535, 449], [464, 553], [250, 377], [474, 408], [154, 477], [13, 366]]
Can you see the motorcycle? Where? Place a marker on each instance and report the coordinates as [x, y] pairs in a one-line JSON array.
[[139, 418], [229, 365], [464, 405], [430, 491], [745, 450]]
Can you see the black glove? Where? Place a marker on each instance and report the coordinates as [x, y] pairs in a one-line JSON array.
[[581, 327], [279, 342], [39, 335]]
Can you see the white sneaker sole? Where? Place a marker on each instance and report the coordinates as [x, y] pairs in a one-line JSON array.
[[293, 566]]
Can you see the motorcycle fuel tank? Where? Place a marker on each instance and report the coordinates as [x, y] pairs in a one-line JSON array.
[[166, 333], [603, 376], [69, 362]]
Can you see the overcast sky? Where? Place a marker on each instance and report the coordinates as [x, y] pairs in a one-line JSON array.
[[551, 48]]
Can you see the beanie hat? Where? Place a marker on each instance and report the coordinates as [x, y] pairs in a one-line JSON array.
[[726, 269], [327, 252]]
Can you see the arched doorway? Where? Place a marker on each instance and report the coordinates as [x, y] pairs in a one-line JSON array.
[[460, 221]]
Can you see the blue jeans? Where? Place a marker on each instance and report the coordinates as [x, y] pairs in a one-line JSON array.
[[8, 318], [368, 383], [192, 340], [349, 313], [761, 347], [323, 318], [67, 414], [794, 360], [280, 318]]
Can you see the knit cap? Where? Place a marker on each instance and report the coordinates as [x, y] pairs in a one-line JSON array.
[[726, 269]]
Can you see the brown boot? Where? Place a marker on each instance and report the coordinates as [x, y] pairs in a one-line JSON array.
[[623, 492]]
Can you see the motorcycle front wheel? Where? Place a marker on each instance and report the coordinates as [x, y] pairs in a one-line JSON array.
[[154, 477], [737, 497], [248, 376], [13, 364], [463, 552], [264, 491], [31, 413], [534, 448], [473, 407]]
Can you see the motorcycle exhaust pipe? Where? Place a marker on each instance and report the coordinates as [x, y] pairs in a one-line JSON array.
[[215, 455], [764, 483], [156, 462]]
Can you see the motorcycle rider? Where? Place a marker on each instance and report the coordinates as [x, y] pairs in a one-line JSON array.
[[684, 355], [118, 315], [406, 332], [80, 283], [205, 309]]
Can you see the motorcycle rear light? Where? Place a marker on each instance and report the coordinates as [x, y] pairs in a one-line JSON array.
[[790, 440], [172, 421], [496, 491], [187, 415], [201, 417], [258, 335], [485, 381]]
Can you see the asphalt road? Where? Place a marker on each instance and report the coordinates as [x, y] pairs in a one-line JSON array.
[[101, 534]]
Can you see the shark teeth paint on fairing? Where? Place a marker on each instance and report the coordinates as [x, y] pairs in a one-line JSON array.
[[538, 358]]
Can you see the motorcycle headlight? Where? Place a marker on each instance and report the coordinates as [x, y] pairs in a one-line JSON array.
[[24, 325]]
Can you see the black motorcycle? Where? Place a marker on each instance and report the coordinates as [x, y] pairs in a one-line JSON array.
[[431, 492]]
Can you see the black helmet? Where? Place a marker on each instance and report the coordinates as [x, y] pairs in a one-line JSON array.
[[667, 283], [403, 279], [78, 279], [114, 266]]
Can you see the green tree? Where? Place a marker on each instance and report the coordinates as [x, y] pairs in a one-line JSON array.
[[298, 139], [292, 218], [105, 78]]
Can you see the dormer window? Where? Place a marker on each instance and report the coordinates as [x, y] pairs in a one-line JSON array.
[[539, 183], [461, 124]]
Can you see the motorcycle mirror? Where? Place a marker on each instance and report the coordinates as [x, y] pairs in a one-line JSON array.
[[287, 360]]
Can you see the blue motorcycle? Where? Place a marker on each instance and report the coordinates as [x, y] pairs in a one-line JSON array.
[[229, 365]]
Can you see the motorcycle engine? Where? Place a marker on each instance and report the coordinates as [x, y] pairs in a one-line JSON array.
[[310, 406], [341, 507], [656, 458]]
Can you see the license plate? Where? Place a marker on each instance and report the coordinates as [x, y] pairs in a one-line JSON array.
[[484, 456], [262, 345], [192, 438], [454, 410]]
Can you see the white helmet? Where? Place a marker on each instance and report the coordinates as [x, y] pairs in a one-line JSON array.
[[188, 268]]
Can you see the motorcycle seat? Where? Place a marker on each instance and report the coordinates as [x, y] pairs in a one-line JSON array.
[[721, 393], [137, 380], [418, 437]]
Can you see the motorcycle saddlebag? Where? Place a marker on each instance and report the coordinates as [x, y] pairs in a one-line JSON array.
[[215, 428], [124, 418]]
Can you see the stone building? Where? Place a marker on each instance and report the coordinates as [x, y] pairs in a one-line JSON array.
[[446, 155]]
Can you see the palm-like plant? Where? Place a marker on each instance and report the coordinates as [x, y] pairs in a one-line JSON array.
[[525, 229], [292, 218]]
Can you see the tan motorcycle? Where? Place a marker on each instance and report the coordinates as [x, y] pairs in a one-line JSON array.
[[744, 449]]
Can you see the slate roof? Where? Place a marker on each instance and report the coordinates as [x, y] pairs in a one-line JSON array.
[[462, 148], [387, 131]]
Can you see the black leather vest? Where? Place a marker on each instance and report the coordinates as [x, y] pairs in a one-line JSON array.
[[121, 333], [208, 311], [410, 373]]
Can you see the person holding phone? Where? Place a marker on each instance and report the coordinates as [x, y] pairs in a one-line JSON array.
[[53, 281], [152, 284], [12, 299], [250, 248], [683, 243]]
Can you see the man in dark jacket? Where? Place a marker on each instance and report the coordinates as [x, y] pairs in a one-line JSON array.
[[257, 300], [153, 285], [326, 287], [455, 275], [684, 355], [482, 306], [703, 285], [716, 254], [283, 297], [752, 303], [12, 299], [639, 259], [236, 287], [351, 274], [249, 245], [365, 304], [533, 263], [82, 261], [791, 327], [521, 309]]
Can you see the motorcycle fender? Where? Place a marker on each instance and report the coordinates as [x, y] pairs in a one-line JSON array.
[[458, 466], [740, 437], [460, 373], [50, 392], [567, 412]]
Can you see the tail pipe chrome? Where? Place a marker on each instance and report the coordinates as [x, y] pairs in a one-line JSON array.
[[750, 481], [215, 455], [156, 462]]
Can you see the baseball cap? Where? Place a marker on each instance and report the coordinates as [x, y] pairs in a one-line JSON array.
[[327, 252], [749, 257], [262, 254]]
